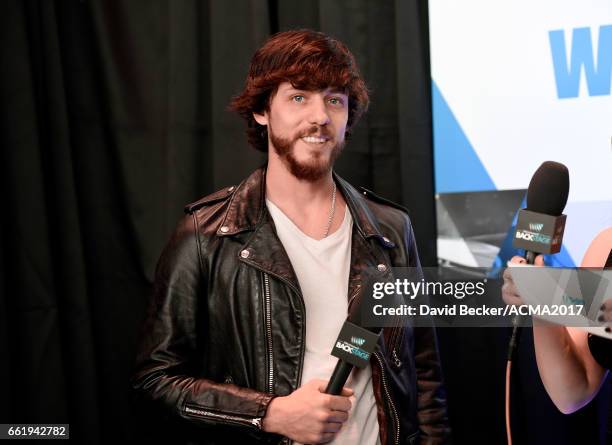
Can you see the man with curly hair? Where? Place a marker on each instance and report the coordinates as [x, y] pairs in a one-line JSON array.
[[256, 282]]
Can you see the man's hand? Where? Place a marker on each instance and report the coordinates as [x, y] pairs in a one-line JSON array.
[[308, 415], [509, 291]]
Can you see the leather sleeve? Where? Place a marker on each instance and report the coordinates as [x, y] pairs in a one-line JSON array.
[[432, 415], [166, 370]]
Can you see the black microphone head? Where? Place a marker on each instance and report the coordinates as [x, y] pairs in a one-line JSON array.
[[548, 189]]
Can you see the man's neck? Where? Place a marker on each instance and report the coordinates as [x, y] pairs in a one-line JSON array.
[[306, 203]]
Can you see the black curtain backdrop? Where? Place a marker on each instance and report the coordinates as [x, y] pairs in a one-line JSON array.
[[113, 116]]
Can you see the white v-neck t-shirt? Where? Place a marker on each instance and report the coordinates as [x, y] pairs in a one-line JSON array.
[[322, 269]]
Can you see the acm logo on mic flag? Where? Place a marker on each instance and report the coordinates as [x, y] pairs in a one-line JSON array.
[[536, 226], [357, 341]]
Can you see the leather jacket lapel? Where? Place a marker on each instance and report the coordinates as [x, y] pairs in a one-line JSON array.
[[247, 211], [267, 253]]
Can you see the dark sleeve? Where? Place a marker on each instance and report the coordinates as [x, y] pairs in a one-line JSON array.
[[433, 419], [601, 350], [166, 371]]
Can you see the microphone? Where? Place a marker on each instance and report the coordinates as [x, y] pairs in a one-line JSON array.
[[540, 226], [353, 348]]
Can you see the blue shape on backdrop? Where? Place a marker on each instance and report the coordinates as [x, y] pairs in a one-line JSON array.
[[457, 166]]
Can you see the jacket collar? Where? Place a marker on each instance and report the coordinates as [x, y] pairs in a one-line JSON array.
[[364, 219], [247, 207]]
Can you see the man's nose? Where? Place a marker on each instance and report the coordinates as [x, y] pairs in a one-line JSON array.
[[318, 112]]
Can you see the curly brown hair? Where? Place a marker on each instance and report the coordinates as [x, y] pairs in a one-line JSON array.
[[307, 59]]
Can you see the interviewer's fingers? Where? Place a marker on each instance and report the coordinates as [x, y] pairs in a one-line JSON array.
[[510, 293], [539, 261], [606, 309]]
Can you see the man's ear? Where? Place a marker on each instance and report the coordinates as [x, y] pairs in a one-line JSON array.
[[261, 119]]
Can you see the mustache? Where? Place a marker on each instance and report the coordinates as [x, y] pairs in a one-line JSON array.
[[315, 130]]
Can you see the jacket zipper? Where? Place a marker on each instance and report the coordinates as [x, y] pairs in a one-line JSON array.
[[303, 344], [193, 410], [303, 307], [268, 320], [268, 317], [391, 404]]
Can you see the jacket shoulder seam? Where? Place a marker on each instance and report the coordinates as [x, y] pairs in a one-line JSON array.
[[218, 196], [380, 200]]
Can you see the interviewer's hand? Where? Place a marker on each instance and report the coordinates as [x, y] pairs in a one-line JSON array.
[[509, 291], [606, 314], [308, 415]]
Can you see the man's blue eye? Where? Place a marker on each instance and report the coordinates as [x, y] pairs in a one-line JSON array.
[[298, 98], [336, 101]]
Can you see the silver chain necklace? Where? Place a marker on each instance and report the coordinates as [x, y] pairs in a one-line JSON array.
[[331, 212]]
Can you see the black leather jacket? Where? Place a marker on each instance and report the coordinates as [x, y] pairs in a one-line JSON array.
[[226, 331]]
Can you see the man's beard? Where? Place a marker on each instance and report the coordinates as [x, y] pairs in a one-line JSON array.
[[313, 169]]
